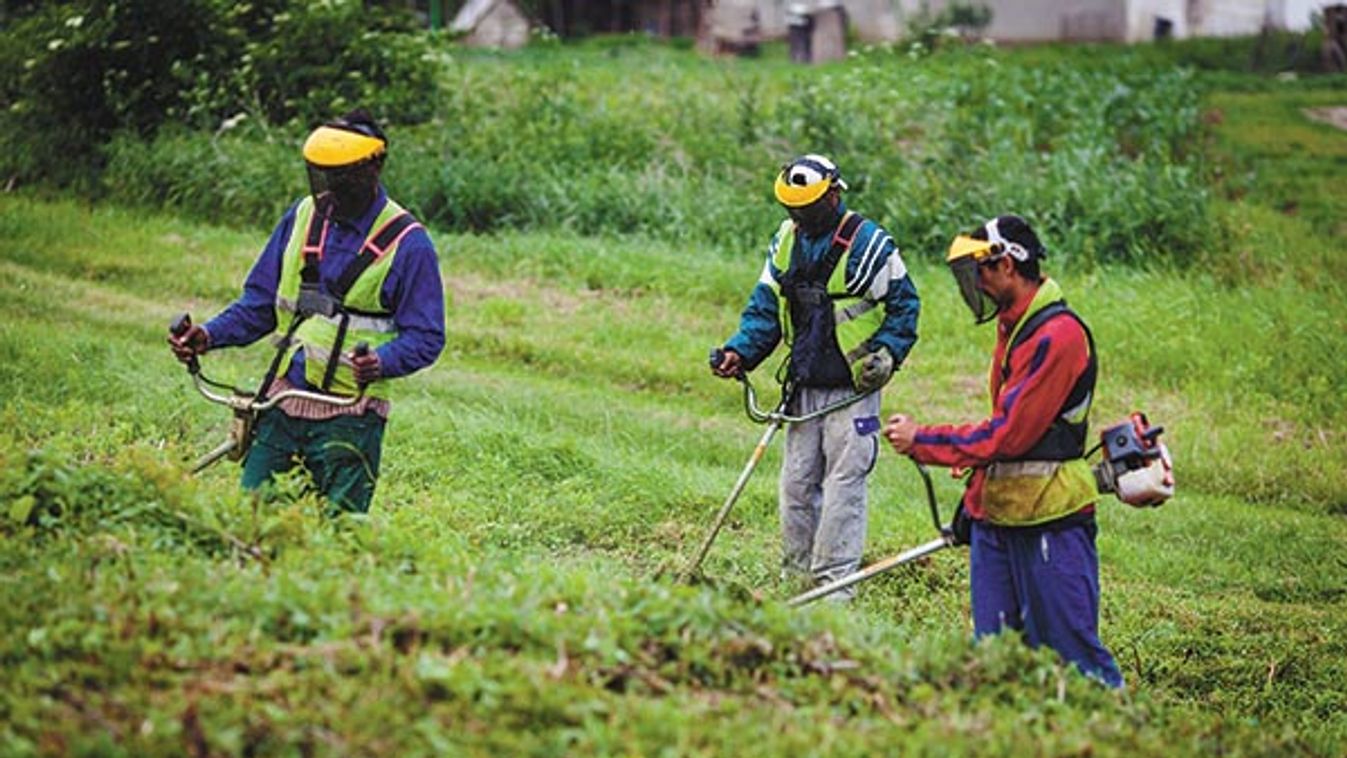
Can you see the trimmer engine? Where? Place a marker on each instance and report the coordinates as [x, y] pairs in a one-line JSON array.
[[1136, 466]]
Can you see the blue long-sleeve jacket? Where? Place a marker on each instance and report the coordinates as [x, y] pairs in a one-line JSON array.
[[874, 269], [412, 292]]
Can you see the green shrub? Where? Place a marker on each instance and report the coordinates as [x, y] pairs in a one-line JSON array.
[[246, 178], [76, 73]]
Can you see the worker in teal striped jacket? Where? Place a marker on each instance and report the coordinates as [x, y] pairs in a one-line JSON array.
[[834, 289]]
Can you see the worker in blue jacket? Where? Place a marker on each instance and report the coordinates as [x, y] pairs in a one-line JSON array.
[[835, 290], [346, 265]]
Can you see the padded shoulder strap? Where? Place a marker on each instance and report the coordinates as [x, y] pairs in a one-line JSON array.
[[1043, 316], [842, 239], [315, 239], [374, 249], [1039, 319]]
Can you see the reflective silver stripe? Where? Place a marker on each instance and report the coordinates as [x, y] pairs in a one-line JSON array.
[[1076, 413], [855, 310], [314, 352], [1007, 469], [321, 354], [277, 339], [383, 324]]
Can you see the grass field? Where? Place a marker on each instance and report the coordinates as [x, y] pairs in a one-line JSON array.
[[512, 591]]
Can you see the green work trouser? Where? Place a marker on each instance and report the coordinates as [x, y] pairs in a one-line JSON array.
[[342, 454]]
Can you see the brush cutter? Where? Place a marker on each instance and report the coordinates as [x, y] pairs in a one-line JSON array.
[[1136, 469], [247, 405], [946, 539], [774, 419]]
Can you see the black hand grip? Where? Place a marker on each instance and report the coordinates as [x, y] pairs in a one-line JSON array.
[[717, 357], [361, 350], [178, 327]]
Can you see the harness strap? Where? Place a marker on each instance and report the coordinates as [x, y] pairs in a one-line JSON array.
[[282, 347], [842, 239], [374, 249], [331, 369], [1064, 433], [315, 240]]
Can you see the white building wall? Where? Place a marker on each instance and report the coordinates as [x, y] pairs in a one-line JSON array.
[[873, 20], [1142, 16], [1038, 20], [1218, 18], [1026, 20], [1227, 18], [1294, 15], [1048, 20]]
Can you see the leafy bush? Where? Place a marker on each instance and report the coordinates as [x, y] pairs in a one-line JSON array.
[[72, 73], [76, 73]]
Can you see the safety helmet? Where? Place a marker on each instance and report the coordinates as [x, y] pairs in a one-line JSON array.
[[1002, 236], [806, 179]]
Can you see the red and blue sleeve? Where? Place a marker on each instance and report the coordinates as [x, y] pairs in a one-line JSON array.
[[1042, 372]]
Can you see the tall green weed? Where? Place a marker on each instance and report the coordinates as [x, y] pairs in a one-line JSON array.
[[1103, 158]]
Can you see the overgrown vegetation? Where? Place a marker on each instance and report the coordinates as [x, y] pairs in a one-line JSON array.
[[207, 125], [73, 74], [512, 591], [925, 145]]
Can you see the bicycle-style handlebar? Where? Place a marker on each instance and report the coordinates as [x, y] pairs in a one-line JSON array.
[[242, 400], [779, 415]]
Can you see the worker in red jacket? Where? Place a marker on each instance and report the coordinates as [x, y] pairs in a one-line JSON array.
[[1028, 509]]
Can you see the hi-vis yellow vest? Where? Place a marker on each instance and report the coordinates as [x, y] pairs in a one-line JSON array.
[[1052, 479], [857, 318], [366, 318]]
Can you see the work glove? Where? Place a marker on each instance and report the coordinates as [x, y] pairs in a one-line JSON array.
[[366, 365], [193, 341], [726, 364], [873, 370], [961, 528]]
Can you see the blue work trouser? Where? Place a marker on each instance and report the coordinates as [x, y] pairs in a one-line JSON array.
[[1043, 581], [342, 454]]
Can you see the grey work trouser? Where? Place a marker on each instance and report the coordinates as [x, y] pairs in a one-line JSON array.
[[823, 491]]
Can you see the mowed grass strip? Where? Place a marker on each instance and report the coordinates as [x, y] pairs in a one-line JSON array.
[[563, 461]]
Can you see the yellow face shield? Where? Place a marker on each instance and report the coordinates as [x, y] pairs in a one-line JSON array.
[[966, 256], [965, 246], [343, 166], [332, 147], [805, 180], [793, 196]]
